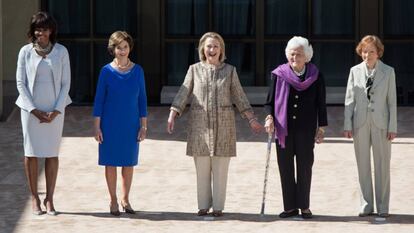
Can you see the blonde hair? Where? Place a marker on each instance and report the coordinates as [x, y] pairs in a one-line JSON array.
[[116, 38], [370, 39], [297, 42], [203, 39]]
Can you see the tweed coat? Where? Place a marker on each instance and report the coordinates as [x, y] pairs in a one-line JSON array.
[[213, 91]]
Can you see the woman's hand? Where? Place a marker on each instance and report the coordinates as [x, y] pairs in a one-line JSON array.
[[391, 136], [142, 134], [170, 121], [348, 134], [52, 115], [269, 126], [42, 116], [320, 134], [98, 135], [255, 126]]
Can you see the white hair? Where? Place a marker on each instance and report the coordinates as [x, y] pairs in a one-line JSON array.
[[297, 42]]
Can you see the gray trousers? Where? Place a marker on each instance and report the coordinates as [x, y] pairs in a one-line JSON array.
[[364, 138], [207, 168]]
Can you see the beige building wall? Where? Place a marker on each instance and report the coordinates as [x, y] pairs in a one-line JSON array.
[[15, 18]]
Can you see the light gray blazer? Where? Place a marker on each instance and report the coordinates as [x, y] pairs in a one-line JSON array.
[[27, 64], [383, 103]]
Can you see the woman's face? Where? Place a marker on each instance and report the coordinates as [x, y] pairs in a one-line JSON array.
[[369, 54], [296, 58], [42, 35], [212, 51], [122, 50]]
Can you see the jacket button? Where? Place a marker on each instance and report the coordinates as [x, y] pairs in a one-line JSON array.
[[372, 101], [296, 97], [294, 117], [295, 105], [372, 110]]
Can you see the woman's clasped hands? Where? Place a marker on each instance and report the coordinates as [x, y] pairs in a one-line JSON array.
[[45, 117]]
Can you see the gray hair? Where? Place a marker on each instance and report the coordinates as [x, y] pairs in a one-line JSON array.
[[297, 42]]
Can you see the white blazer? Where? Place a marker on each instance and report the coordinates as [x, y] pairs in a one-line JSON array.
[[383, 103], [27, 64]]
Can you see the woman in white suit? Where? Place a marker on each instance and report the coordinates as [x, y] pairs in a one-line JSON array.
[[43, 82], [371, 119]]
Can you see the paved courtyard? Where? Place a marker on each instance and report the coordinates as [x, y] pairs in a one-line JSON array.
[[164, 188]]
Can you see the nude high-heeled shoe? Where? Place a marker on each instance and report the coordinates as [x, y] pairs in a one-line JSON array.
[[49, 211]]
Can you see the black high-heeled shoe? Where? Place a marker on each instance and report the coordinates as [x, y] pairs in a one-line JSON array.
[[114, 209], [126, 207]]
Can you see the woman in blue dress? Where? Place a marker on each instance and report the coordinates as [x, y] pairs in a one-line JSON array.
[[120, 117]]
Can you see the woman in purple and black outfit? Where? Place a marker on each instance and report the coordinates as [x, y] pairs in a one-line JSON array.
[[296, 112]]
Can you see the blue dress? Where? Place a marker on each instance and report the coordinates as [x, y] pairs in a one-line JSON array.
[[120, 102]]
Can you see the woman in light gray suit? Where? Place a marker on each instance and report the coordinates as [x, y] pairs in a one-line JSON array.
[[371, 119], [43, 82]]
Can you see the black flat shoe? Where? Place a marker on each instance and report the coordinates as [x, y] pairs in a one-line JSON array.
[[362, 214], [307, 215], [217, 213], [202, 212], [286, 214]]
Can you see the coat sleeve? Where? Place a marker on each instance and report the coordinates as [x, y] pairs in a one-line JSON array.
[[270, 99], [185, 91], [22, 85], [321, 102], [65, 85], [238, 96], [100, 95], [392, 103], [349, 102]]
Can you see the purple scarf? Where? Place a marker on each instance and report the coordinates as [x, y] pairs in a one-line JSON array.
[[286, 78]]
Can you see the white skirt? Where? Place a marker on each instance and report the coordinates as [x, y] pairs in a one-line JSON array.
[[41, 139]]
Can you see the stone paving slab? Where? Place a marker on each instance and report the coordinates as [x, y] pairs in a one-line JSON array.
[[164, 191]]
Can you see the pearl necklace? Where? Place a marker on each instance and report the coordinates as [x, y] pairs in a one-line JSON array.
[[120, 66], [300, 73]]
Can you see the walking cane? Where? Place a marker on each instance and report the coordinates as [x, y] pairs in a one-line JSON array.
[[269, 148]]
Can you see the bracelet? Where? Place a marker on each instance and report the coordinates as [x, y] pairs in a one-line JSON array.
[[144, 128], [252, 119], [269, 117], [321, 130]]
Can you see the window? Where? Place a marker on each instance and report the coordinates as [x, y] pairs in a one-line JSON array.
[[187, 20], [84, 28], [398, 34], [328, 25]]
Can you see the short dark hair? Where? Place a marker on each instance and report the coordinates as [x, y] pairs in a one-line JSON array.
[[116, 38], [42, 20]]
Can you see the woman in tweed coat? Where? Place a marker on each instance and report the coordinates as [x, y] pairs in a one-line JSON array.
[[213, 87]]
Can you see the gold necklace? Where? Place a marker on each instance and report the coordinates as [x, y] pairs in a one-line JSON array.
[[120, 66]]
